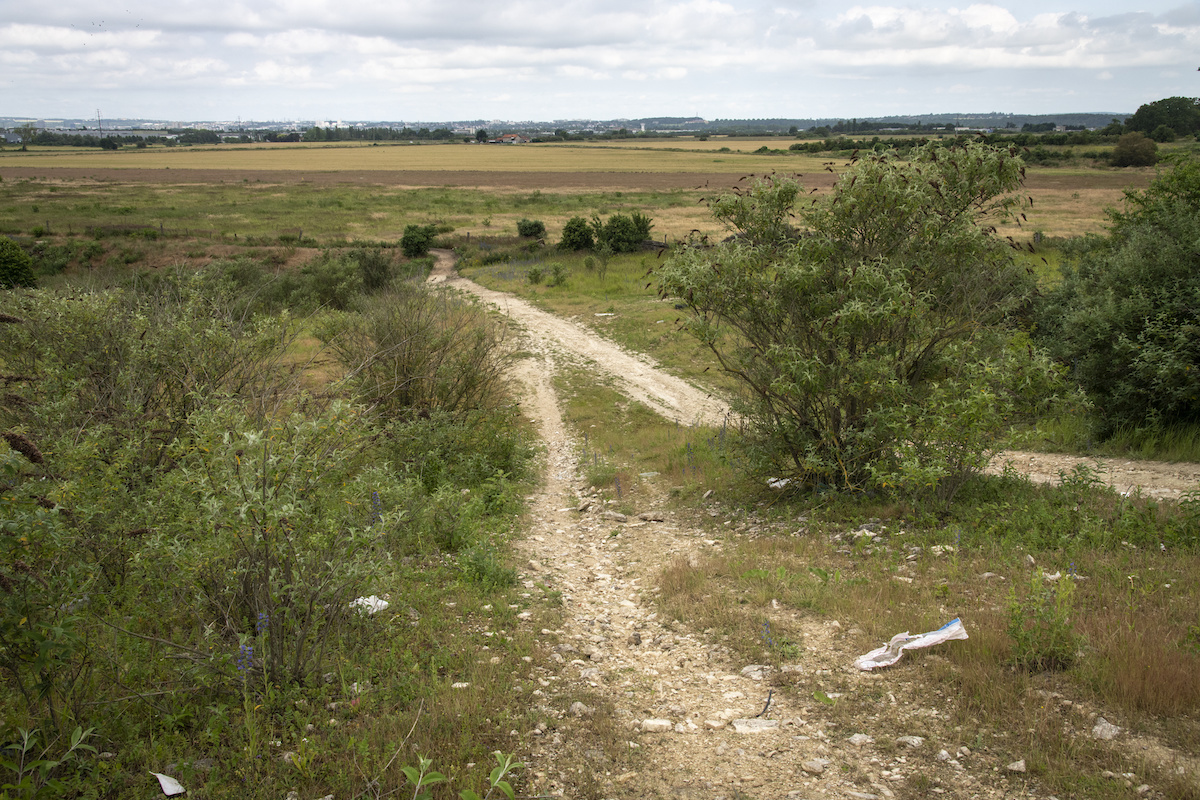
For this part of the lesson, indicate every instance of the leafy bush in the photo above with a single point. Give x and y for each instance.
(534, 275)
(43, 583)
(531, 228)
(417, 240)
(16, 266)
(1124, 317)
(623, 233)
(261, 532)
(1135, 150)
(558, 275)
(577, 235)
(374, 267)
(329, 281)
(873, 350)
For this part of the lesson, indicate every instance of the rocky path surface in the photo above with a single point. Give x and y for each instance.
(689, 719)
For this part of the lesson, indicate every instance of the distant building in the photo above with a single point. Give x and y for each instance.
(509, 138)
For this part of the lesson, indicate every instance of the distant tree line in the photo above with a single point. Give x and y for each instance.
(339, 134)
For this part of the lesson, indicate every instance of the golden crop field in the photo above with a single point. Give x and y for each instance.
(436, 157)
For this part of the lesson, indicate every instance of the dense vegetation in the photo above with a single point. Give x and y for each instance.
(1126, 317)
(186, 525)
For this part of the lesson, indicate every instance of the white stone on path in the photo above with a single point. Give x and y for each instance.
(1105, 730)
(657, 725)
(754, 725)
(1016, 766)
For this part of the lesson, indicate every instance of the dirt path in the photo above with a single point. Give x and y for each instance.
(684, 717)
(635, 375)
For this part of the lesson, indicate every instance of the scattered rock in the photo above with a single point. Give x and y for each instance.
(614, 516)
(715, 724)
(860, 739)
(635, 639)
(657, 725)
(1103, 729)
(578, 709)
(754, 725)
(651, 516)
(460, 685)
(755, 672)
(814, 766)
(1016, 766)
(584, 506)
(910, 741)
(943, 755)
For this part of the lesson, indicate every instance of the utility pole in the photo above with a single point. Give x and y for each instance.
(99, 124)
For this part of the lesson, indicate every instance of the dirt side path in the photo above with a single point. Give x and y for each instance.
(635, 375)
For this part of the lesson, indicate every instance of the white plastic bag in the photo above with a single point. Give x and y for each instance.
(891, 652)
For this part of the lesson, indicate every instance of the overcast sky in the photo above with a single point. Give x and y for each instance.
(433, 60)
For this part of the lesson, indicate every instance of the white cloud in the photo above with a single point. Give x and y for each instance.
(597, 57)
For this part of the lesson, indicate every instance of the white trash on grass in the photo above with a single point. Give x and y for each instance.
(891, 652)
(369, 605)
(170, 786)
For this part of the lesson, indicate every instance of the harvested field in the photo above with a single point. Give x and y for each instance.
(487, 180)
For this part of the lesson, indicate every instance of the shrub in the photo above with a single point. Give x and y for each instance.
(417, 240)
(414, 350)
(275, 547)
(531, 228)
(1163, 134)
(329, 281)
(374, 267)
(16, 266)
(623, 233)
(1124, 317)
(534, 275)
(558, 275)
(577, 235)
(1135, 150)
(873, 350)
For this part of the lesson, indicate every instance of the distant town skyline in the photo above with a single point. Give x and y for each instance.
(572, 59)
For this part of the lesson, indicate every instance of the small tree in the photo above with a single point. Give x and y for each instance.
(1163, 134)
(1135, 150)
(481, 135)
(872, 349)
(16, 266)
(531, 228)
(577, 235)
(417, 240)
